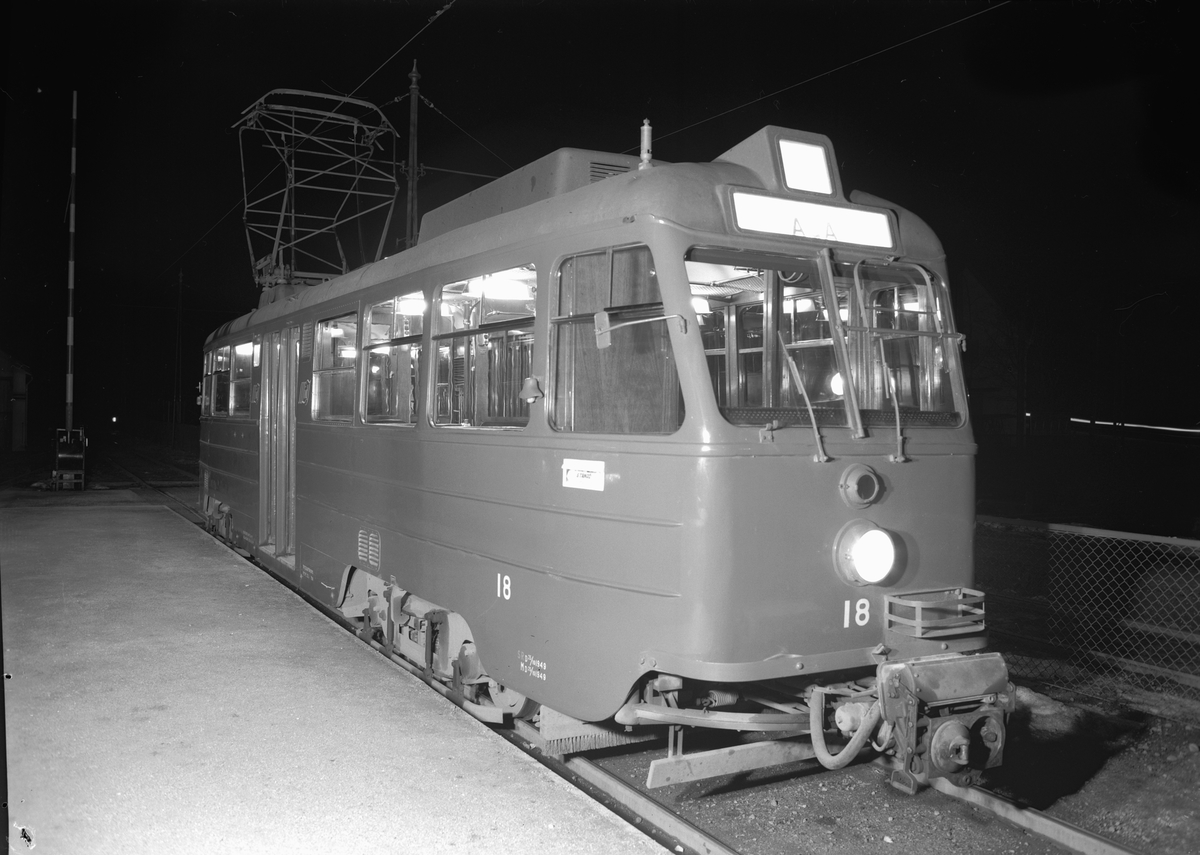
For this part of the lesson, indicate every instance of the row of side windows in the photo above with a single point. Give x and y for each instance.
(482, 344)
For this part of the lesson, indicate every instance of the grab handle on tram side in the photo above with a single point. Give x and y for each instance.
(605, 326)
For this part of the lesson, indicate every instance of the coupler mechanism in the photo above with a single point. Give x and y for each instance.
(943, 717)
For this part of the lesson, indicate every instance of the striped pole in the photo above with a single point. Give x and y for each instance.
(71, 277)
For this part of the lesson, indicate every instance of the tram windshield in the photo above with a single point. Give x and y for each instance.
(854, 344)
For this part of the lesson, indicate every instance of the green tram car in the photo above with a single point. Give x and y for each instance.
(623, 445)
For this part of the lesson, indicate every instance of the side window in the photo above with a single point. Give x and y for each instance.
(216, 382)
(334, 354)
(631, 386)
(242, 377)
(484, 347)
(205, 399)
(392, 342)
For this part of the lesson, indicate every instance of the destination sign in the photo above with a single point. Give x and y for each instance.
(811, 220)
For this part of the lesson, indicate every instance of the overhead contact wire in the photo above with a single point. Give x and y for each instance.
(827, 73)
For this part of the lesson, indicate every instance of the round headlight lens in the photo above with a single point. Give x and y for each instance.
(864, 553)
(873, 555)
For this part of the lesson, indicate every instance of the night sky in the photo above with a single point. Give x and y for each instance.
(1044, 142)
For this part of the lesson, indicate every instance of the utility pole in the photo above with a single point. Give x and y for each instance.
(71, 276)
(413, 96)
(177, 403)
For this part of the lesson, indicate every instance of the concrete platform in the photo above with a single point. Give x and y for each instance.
(164, 696)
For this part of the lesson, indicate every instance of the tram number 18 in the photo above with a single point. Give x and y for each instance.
(503, 586)
(862, 613)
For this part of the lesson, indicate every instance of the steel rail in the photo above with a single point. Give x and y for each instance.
(667, 821)
(188, 479)
(1056, 830)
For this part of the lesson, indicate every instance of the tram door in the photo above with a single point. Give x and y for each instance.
(277, 443)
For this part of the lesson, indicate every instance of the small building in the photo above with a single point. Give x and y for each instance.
(14, 404)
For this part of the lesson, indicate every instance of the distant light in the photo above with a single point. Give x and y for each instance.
(836, 386)
(1027, 415)
(114, 419)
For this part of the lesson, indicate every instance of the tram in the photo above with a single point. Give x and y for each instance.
(624, 445)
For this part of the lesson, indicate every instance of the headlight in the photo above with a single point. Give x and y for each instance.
(864, 553)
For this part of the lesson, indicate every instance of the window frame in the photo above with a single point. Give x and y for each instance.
(326, 376)
(583, 323)
(372, 345)
(441, 371)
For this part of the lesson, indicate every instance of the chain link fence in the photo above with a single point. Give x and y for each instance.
(1091, 609)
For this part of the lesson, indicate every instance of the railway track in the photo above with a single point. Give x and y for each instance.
(678, 833)
(126, 459)
(1059, 831)
(158, 486)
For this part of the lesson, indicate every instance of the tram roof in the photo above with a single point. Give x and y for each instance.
(575, 188)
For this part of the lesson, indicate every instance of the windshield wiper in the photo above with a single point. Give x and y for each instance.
(820, 456)
(899, 456)
(850, 398)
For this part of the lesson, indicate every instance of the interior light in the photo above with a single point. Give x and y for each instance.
(701, 306)
(499, 288)
(805, 305)
(836, 386)
(844, 314)
(336, 332)
(911, 307)
(411, 306)
(374, 369)
(244, 349)
(346, 352)
(864, 553)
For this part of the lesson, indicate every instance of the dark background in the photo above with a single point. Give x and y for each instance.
(1044, 142)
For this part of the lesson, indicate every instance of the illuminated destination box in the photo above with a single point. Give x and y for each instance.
(811, 220)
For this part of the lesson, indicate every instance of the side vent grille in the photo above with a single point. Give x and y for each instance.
(369, 548)
(599, 171)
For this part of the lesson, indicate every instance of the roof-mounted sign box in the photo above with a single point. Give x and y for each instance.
(801, 168)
